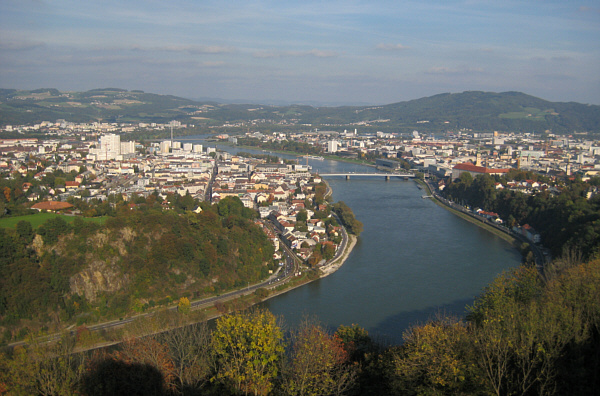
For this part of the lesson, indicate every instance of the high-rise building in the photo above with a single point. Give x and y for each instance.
(165, 146)
(332, 146)
(110, 143)
(127, 148)
(109, 147)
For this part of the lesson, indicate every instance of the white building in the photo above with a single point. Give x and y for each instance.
(108, 148)
(165, 146)
(332, 146)
(127, 148)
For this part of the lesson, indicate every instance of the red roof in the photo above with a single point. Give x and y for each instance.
(52, 205)
(466, 166)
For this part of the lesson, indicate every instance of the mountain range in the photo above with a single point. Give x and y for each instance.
(470, 110)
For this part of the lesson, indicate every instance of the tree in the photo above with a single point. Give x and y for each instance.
(149, 351)
(357, 341)
(25, 231)
(39, 369)
(184, 306)
(247, 347)
(189, 348)
(435, 358)
(318, 363)
(52, 229)
(519, 334)
(347, 217)
(59, 182)
(302, 216)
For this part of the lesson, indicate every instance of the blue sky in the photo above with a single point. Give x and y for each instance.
(298, 51)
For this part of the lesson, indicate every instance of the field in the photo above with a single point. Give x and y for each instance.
(530, 113)
(40, 218)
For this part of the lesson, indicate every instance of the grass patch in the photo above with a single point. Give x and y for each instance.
(530, 113)
(38, 219)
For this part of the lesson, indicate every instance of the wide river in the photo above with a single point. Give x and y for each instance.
(413, 260)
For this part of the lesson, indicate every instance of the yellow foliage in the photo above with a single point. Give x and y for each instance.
(184, 306)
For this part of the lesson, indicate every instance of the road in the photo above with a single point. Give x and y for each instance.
(541, 257)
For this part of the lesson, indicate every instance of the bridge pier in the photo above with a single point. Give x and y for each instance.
(387, 178)
(347, 177)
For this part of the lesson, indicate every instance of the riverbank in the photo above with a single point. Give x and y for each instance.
(478, 222)
(145, 325)
(335, 265)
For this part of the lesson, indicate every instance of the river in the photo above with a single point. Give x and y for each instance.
(413, 260)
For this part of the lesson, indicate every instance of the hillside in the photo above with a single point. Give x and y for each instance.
(102, 105)
(479, 111)
(144, 256)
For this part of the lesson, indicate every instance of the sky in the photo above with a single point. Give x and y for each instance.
(325, 52)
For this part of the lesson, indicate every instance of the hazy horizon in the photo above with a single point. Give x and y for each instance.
(337, 52)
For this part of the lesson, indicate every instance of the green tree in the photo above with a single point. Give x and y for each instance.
(25, 231)
(519, 334)
(52, 229)
(302, 216)
(247, 347)
(347, 217)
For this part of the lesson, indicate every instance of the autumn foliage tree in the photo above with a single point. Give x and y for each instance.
(247, 347)
(317, 364)
(436, 358)
(43, 369)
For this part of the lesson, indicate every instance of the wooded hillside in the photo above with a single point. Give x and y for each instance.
(140, 258)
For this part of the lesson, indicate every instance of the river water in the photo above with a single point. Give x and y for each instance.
(413, 260)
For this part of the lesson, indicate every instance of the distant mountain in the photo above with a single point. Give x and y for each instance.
(278, 102)
(479, 111)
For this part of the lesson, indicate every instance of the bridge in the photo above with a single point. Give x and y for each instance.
(387, 176)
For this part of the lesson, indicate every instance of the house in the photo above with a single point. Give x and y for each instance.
(52, 206)
(490, 216)
(475, 170)
(71, 185)
(528, 232)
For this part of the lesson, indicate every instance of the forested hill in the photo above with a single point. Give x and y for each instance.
(479, 111)
(488, 111)
(141, 257)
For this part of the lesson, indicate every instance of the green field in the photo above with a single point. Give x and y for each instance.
(530, 113)
(40, 218)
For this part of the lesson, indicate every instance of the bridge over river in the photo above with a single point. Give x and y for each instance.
(387, 176)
